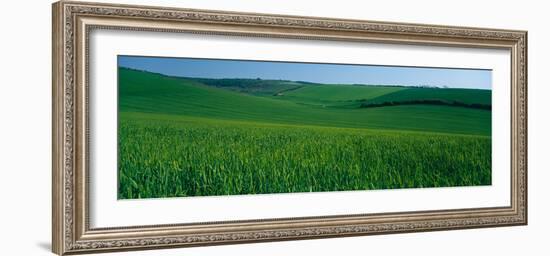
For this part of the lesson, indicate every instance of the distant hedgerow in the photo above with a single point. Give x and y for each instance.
(425, 102)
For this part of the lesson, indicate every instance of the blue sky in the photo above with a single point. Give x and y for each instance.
(311, 72)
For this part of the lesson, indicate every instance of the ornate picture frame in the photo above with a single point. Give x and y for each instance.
(72, 24)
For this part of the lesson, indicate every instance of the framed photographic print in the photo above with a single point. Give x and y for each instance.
(179, 127)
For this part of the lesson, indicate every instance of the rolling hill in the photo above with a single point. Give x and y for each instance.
(319, 105)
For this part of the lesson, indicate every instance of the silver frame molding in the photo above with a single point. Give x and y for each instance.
(72, 23)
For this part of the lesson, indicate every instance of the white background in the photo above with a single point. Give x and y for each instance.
(25, 140)
(106, 211)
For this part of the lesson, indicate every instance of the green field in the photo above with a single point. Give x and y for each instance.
(203, 137)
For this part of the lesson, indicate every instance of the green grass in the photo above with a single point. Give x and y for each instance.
(180, 156)
(180, 137)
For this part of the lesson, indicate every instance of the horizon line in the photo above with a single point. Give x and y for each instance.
(302, 81)
(315, 72)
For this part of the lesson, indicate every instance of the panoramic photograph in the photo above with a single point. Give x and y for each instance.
(214, 127)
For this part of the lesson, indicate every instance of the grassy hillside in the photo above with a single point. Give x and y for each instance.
(352, 96)
(251, 86)
(152, 93)
(341, 92)
(181, 137)
(468, 96)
